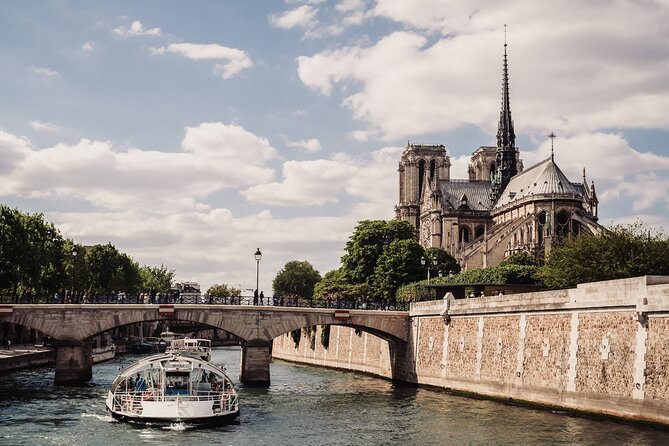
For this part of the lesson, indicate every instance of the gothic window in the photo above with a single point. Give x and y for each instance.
(433, 167)
(479, 231)
(492, 171)
(541, 224)
(421, 174)
(464, 234)
(562, 223)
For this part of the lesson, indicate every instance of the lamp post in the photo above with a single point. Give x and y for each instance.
(423, 262)
(74, 269)
(258, 256)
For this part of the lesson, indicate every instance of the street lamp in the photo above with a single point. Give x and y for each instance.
(258, 256)
(74, 269)
(424, 262)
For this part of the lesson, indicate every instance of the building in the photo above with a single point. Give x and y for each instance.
(501, 209)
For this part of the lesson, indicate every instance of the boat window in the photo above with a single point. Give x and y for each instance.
(176, 383)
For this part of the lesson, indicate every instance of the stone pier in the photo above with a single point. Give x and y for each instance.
(255, 363)
(74, 362)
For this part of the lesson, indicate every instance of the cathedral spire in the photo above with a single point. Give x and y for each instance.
(506, 166)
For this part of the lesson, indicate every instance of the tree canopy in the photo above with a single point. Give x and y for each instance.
(35, 258)
(296, 279)
(366, 245)
(223, 290)
(621, 252)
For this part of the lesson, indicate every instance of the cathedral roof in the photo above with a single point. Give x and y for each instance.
(543, 178)
(477, 194)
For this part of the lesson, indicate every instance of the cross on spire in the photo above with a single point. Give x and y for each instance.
(552, 137)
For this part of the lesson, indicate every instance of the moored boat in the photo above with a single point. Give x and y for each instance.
(198, 348)
(170, 388)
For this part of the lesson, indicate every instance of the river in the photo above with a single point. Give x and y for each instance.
(303, 406)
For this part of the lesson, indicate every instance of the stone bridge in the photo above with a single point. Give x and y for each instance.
(73, 325)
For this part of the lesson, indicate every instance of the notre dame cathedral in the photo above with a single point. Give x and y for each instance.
(501, 209)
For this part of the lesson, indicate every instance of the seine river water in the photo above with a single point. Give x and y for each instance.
(303, 406)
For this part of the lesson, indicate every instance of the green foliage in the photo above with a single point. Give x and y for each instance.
(32, 253)
(296, 335)
(110, 270)
(398, 264)
(158, 277)
(223, 290)
(325, 336)
(520, 258)
(621, 252)
(35, 258)
(366, 245)
(445, 263)
(296, 279)
(334, 287)
(494, 275)
(413, 292)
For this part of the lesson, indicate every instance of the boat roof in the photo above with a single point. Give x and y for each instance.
(171, 362)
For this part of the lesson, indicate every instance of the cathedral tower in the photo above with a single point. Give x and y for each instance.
(505, 159)
(419, 162)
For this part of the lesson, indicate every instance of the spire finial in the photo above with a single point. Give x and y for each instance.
(552, 137)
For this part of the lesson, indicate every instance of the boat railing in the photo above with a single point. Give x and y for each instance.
(131, 401)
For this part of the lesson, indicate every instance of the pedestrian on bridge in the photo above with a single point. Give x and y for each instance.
(255, 297)
(262, 296)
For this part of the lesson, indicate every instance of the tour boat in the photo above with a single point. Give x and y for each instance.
(171, 387)
(199, 348)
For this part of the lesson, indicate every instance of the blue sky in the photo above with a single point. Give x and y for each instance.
(191, 133)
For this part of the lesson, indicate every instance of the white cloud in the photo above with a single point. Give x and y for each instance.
(89, 46)
(44, 126)
(320, 182)
(406, 84)
(299, 17)
(306, 183)
(46, 72)
(13, 150)
(308, 145)
(136, 29)
(350, 5)
(215, 156)
(235, 59)
(618, 170)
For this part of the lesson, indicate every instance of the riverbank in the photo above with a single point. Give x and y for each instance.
(21, 357)
(598, 349)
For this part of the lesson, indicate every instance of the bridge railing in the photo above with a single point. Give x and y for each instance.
(206, 300)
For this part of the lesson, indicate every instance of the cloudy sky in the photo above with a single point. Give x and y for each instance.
(191, 133)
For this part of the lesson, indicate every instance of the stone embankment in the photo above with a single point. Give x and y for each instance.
(600, 348)
(19, 357)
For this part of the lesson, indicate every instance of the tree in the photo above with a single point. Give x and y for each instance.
(296, 279)
(618, 253)
(446, 263)
(223, 290)
(157, 277)
(32, 253)
(110, 270)
(399, 264)
(334, 287)
(366, 245)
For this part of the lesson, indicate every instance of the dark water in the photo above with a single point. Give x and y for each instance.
(303, 406)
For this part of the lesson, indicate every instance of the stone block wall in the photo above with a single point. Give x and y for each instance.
(599, 348)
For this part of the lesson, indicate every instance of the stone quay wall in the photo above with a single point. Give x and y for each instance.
(601, 348)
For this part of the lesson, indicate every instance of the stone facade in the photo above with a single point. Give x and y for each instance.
(500, 209)
(598, 348)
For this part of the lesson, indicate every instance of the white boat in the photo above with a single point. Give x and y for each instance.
(198, 348)
(169, 388)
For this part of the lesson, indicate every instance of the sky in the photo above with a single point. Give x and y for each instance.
(188, 134)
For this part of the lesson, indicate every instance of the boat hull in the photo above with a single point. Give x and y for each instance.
(211, 420)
